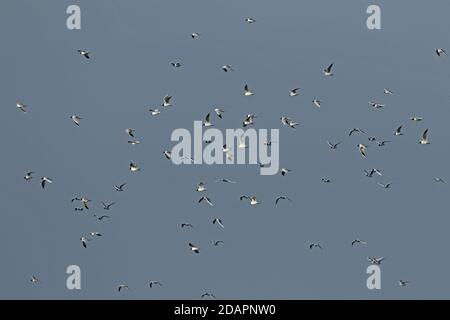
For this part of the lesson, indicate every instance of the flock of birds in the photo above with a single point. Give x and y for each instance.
(201, 188)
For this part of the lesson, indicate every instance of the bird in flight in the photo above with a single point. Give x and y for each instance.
(154, 112)
(28, 176)
(208, 201)
(194, 248)
(102, 217)
(358, 241)
(403, 283)
(387, 91)
(227, 68)
(122, 287)
(201, 187)
(186, 225)
(217, 242)
(107, 206)
(130, 132)
(250, 20)
(225, 180)
(357, 130)
(376, 261)
(155, 283)
(207, 122)
(439, 180)
(326, 180)
(315, 245)
(317, 103)
(44, 181)
(385, 186)
(282, 198)
(167, 154)
(34, 279)
(95, 233)
(370, 174)
(22, 107)
(76, 119)
(417, 119)
(398, 131)
(333, 145)
(362, 149)
(166, 101)
(440, 52)
(85, 53)
(294, 92)
(119, 187)
(134, 142)
(218, 222)
(219, 112)
(195, 35)
(376, 105)
(327, 71)
(84, 241)
(253, 200)
(176, 64)
(134, 167)
(424, 138)
(382, 143)
(247, 91)
(248, 120)
(288, 122)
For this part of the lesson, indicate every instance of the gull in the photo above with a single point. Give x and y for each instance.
(219, 112)
(207, 294)
(398, 131)
(167, 154)
(294, 92)
(44, 180)
(84, 241)
(154, 112)
(155, 283)
(440, 52)
(227, 151)
(372, 139)
(130, 132)
(225, 180)
(84, 53)
(227, 68)
(242, 144)
(416, 119)
(107, 206)
(120, 187)
(285, 171)
(186, 225)
(362, 149)
(76, 119)
(315, 245)
(201, 187)
(439, 180)
(385, 186)
(370, 174)
(98, 234)
(28, 176)
(166, 101)
(247, 91)
(207, 122)
(250, 20)
(85, 201)
(376, 105)
(382, 143)
(248, 120)
(326, 180)
(22, 107)
(358, 241)
(288, 122)
(327, 71)
(121, 287)
(134, 167)
(403, 283)
(387, 91)
(356, 130)
(195, 35)
(217, 242)
(424, 138)
(194, 248)
(376, 261)
(134, 142)
(282, 198)
(333, 145)
(176, 64)
(252, 199)
(208, 201)
(219, 222)
(34, 279)
(262, 165)
(316, 103)
(102, 217)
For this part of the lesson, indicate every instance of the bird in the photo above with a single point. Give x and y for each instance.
(176, 64)
(376, 261)
(208, 201)
(34, 279)
(326, 180)
(102, 217)
(85, 53)
(194, 248)
(201, 187)
(362, 149)
(398, 131)
(119, 187)
(317, 103)
(358, 241)
(372, 139)
(227, 68)
(218, 222)
(376, 105)
(253, 200)
(134, 167)
(76, 119)
(288, 122)
(327, 71)
(207, 122)
(250, 20)
(370, 174)
(155, 283)
(242, 144)
(357, 130)
(440, 52)
(167, 154)
(195, 35)
(247, 91)
(84, 241)
(217, 242)
(130, 132)
(95, 233)
(403, 283)
(424, 138)
(107, 206)
(387, 91)
(439, 180)
(225, 180)
(248, 120)
(186, 225)
(134, 142)
(385, 186)
(122, 287)
(44, 181)
(166, 101)
(28, 176)
(382, 143)
(22, 107)
(154, 112)
(294, 92)
(417, 119)
(285, 171)
(282, 198)
(333, 145)
(315, 245)
(219, 112)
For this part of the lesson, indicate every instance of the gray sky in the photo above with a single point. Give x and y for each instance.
(266, 253)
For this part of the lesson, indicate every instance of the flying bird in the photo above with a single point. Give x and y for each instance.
(166, 101)
(201, 187)
(376, 261)
(194, 248)
(253, 200)
(403, 283)
(130, 132)
(28, 176)
(247, 91)
(326, 180)
(282, 198)
(219, 112)
(315, 245)
(176, 64)
(85, 53)
(195, 35)
(154, 112)
(227, 68)
(358, 241)
(218, 222)
(186, 225)
(22, 107)
(439, 180)
(317, 103)
(217, 242)
(155, 283)
(225, 180)
(294, 92)
(376, 105)
(134, 167)
(333, 145)
(370, 174)
(44, 181)
(76, 119)
(382, 143)
(34, 279)
(102, 217)
(285, 171)
(288, 122)
(208, 201)
(250, 20)
(84, 241)
(107, 206)
(120, 187)
(398, 131)
(357, 130)
(327, 71)
(424, 138)
(167, 154)
(387, 91)
(362, 149)
(440, 52)
(207, 122)
(95, 233)
(385, 186)
(122, 287)
(134, 142)
(248, 120)
(417, 119)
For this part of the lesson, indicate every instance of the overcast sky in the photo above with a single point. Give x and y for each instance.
(266, 254)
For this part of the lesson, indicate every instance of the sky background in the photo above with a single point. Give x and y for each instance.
(266, 253)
